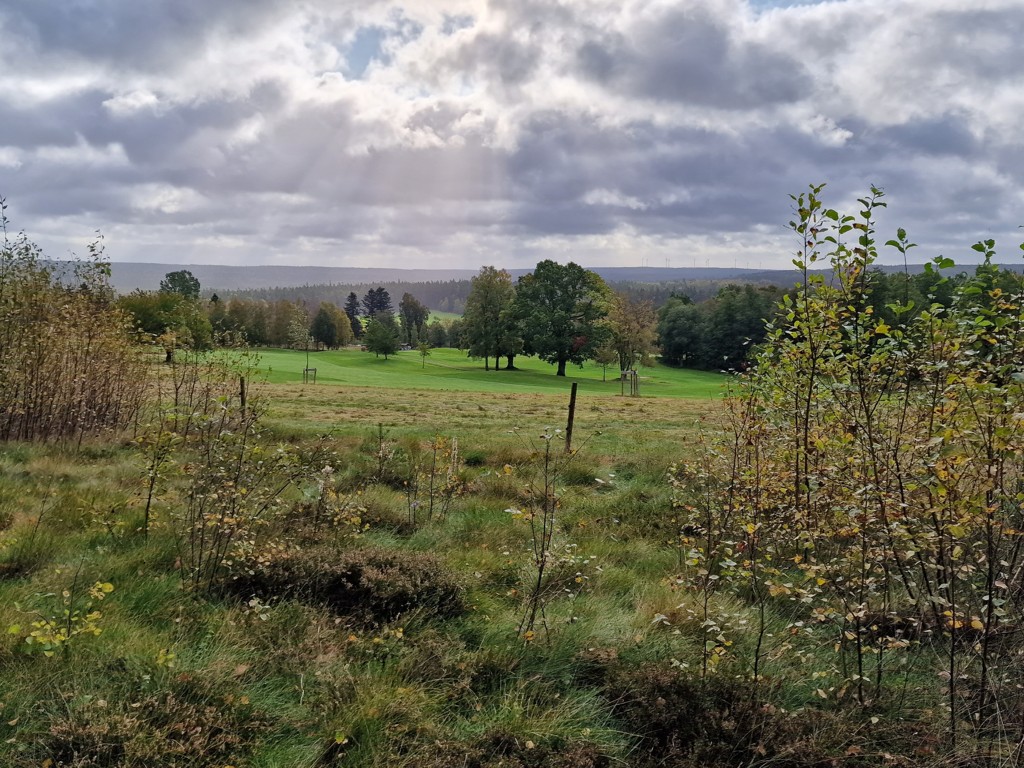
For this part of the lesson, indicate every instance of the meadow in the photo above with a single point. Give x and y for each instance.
(401, 565)
(450, 369)
(110, 659)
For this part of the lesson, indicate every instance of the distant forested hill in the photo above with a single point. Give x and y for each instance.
(129, 276)
(440, 289)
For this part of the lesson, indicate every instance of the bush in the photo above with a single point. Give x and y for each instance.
(374, 586)
(190, 726)
(69, 366)
(506, 750)
(683, 721)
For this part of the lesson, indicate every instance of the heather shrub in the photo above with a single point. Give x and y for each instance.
(371, 585)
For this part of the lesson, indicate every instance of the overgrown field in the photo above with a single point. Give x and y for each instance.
(384, 616)
(428, 667)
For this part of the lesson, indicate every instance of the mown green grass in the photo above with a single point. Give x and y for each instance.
(450, 369)
(445, 317)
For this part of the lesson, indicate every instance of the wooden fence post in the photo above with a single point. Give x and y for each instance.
(572, 415)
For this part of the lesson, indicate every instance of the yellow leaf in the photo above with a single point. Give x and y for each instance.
(977, 624)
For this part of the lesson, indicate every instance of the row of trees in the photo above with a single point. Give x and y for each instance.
(720, 333)
(177, 317)
(450, 296)
(561, 313)
(443, 296)
(716, 334)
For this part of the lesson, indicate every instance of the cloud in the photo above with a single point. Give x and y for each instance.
(461, 132)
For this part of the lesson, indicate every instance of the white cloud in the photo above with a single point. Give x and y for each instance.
(10, 157)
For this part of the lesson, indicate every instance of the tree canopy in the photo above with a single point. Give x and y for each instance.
(352, 310)
(377, 300)
(382, 335)
(490, 328)
(414, 314)
(561, 311)
(716, 334)
(634, 334)
(181, 282)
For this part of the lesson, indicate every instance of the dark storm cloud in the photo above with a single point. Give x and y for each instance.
(57, 122)
(689, 55)
(675, 181)
(141, 34)
(948, 135)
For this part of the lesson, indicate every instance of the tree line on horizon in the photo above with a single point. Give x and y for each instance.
(450, 296)
(561, 313)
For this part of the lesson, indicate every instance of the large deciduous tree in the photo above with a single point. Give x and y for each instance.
(561, 311)
(489, 326)
(182, 282)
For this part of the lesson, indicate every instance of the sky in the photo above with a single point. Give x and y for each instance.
(459, 133)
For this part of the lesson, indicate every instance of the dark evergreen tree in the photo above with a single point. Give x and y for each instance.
(352, 310)
(376, 301)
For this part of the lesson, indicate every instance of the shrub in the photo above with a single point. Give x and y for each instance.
(69, 366)
(500, 749)
(475, 458)
(186, 727)
(683, 721)
(372, 585)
